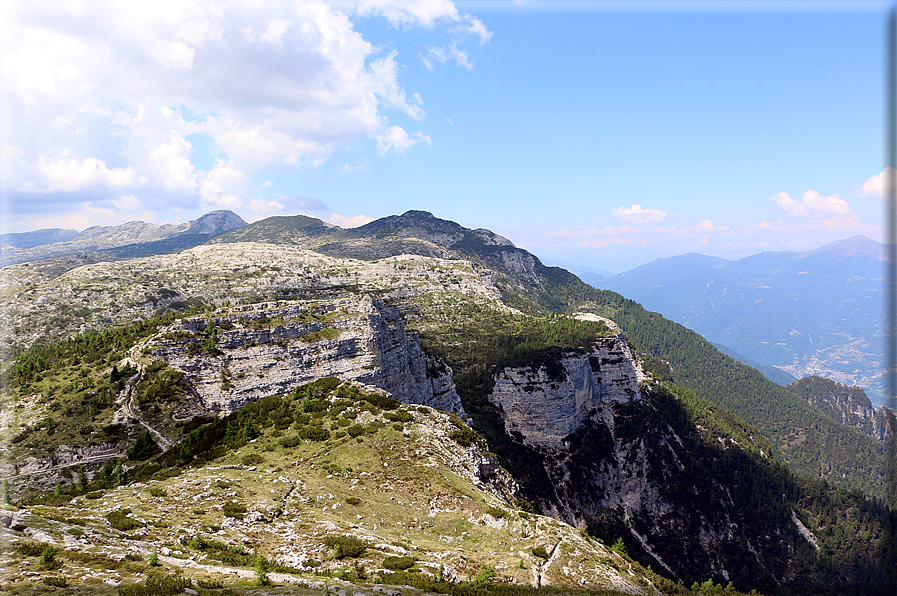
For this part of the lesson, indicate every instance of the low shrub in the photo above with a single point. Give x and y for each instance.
(121, 522)
(290, 442)
(56, 582)
(29, 548)
(496, 512)
(398, 563)
(253, 459)
(232, 509)
(157, 584)
(400, 416)
(345, 546)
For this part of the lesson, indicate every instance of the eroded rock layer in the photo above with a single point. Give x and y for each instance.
(234, 358)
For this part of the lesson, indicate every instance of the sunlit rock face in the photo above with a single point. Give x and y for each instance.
(547, 405)
(270, 348)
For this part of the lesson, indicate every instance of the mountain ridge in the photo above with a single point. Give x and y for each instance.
(500, 314)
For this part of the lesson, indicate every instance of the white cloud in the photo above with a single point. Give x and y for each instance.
(444, 54)
(261, 209)
(396, 138)
(171, 162)
(222, 187)
(812, 205)
(385, 75)
(638, 214)
(62, 174)
(349, 222)
(273, 35)
(405, 12)
(474, 26)
(273, 85)
(874, 186)
(128, 203)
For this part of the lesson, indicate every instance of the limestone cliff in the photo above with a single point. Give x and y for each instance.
(601, 434)
(545, 410)
(236, 356)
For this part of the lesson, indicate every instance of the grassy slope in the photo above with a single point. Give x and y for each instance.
(403, 489)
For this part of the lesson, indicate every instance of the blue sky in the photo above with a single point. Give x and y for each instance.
(600, 134)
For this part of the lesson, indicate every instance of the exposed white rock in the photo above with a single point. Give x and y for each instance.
(545, 409)
(264, 350)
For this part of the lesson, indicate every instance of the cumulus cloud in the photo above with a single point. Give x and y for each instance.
(63, 173)
(638, 214)
(349, 222)
(108, 93)
(261, 209)
(875, 186)
(812, 204)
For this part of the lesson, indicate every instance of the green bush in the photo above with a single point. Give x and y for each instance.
(620, 547)
(121, 522)
(56, 582)
(144, 447)
(290, 442)
(356, 430)
(48, 558)
(345, 546)
(232, 509)
(496, 512)
(400, 416)
(157, 584)
(539, 551)
(380, 401)
(484, 576)
(398, 563)
(466, 437)
(313, 432)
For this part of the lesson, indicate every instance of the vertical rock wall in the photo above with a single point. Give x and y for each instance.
(545, 410)
(270, 348)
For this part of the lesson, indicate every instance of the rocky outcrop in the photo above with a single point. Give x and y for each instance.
(600, 451)
(846, 405)
(545, 409)
(243, 354)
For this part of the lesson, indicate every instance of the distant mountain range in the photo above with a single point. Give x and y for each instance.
(817, 312)
(132, 239)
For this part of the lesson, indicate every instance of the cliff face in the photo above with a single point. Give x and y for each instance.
(270, 348)
(545, 409)
(613, 463)
(847, 405)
